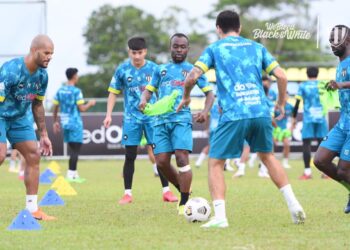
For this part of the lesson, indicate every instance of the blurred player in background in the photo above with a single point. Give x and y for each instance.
(173, 131)
(337, 142)
(314, 120)
(282, 133)
(69, 102)
(23, 83)
(239, 63)
(131, 77)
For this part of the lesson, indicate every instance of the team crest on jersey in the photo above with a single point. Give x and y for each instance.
(184, 73)
(129, 79)
(343, 73)
(148, 78)
(163, 72)
(21, 86)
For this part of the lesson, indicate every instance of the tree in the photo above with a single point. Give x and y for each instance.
(109, 28)
(259, 16)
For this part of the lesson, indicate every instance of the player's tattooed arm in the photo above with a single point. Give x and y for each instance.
(190, 81)
(39, 116)
(146, 96)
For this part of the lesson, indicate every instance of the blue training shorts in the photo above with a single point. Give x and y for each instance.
(133, 131)
(229, 137)
(338, 141)
(312, 130)
(18, 130)
(172, 136)
(75, 135)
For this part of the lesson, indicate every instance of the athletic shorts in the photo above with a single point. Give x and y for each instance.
(133, 131)
(18, 130)
(338, 141)
(281, 134)
(312, 130)
(228, 139)
(172, 136)
(75, 135)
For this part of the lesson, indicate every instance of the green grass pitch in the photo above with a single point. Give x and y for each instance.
(257, 213)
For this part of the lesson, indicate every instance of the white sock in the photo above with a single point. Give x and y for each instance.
(201, 158)
(32, 203)
(228, 162)
(307, 171)
(155, 170)
(219, 209)
(289, 196)
(285, 160)
(166, 189)
(128, 192)
(12, 164)
(241, 166)
(21, 173)
(71, 173)
(263, 168)
(253, 156)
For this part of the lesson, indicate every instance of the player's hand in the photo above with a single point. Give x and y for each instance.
(279, 108)
(45, 146)
(92, 102)
(333, 85)
(201, 117)
(184, 103)
(142, 105)
(107, 121)
(56, 127)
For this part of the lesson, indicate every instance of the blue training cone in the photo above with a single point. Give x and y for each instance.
(45, 177)
(48, 172)
(51, 198)
(24, 221)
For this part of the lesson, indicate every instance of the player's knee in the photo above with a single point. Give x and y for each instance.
(161, 162)
(33, 158)
(318, 161)
(343, 173)
(182, 158)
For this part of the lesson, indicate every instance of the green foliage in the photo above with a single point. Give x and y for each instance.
(291, 52)
(109, 29)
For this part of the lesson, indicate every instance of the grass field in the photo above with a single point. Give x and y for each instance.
(257, 214)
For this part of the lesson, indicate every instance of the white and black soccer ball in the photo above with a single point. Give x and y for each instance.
(197, 210)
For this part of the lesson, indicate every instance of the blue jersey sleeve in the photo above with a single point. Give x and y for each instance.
(44, 81)
(154, 85)
(203, 84)
(116, 83)
(206, 60)
(269, 63)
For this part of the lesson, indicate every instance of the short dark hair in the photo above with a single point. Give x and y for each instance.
(137, 43)
(179, 35)
(71, 72)
(312, 72)
(228, 20)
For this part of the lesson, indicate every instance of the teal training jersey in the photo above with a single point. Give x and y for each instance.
(313, 109)
(169, 77)
(288, 109)
(239, 64)
(132, 81)
(343, 75)
(69, 98)
(18, 88)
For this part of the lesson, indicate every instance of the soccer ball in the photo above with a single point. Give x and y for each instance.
(197, 209)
